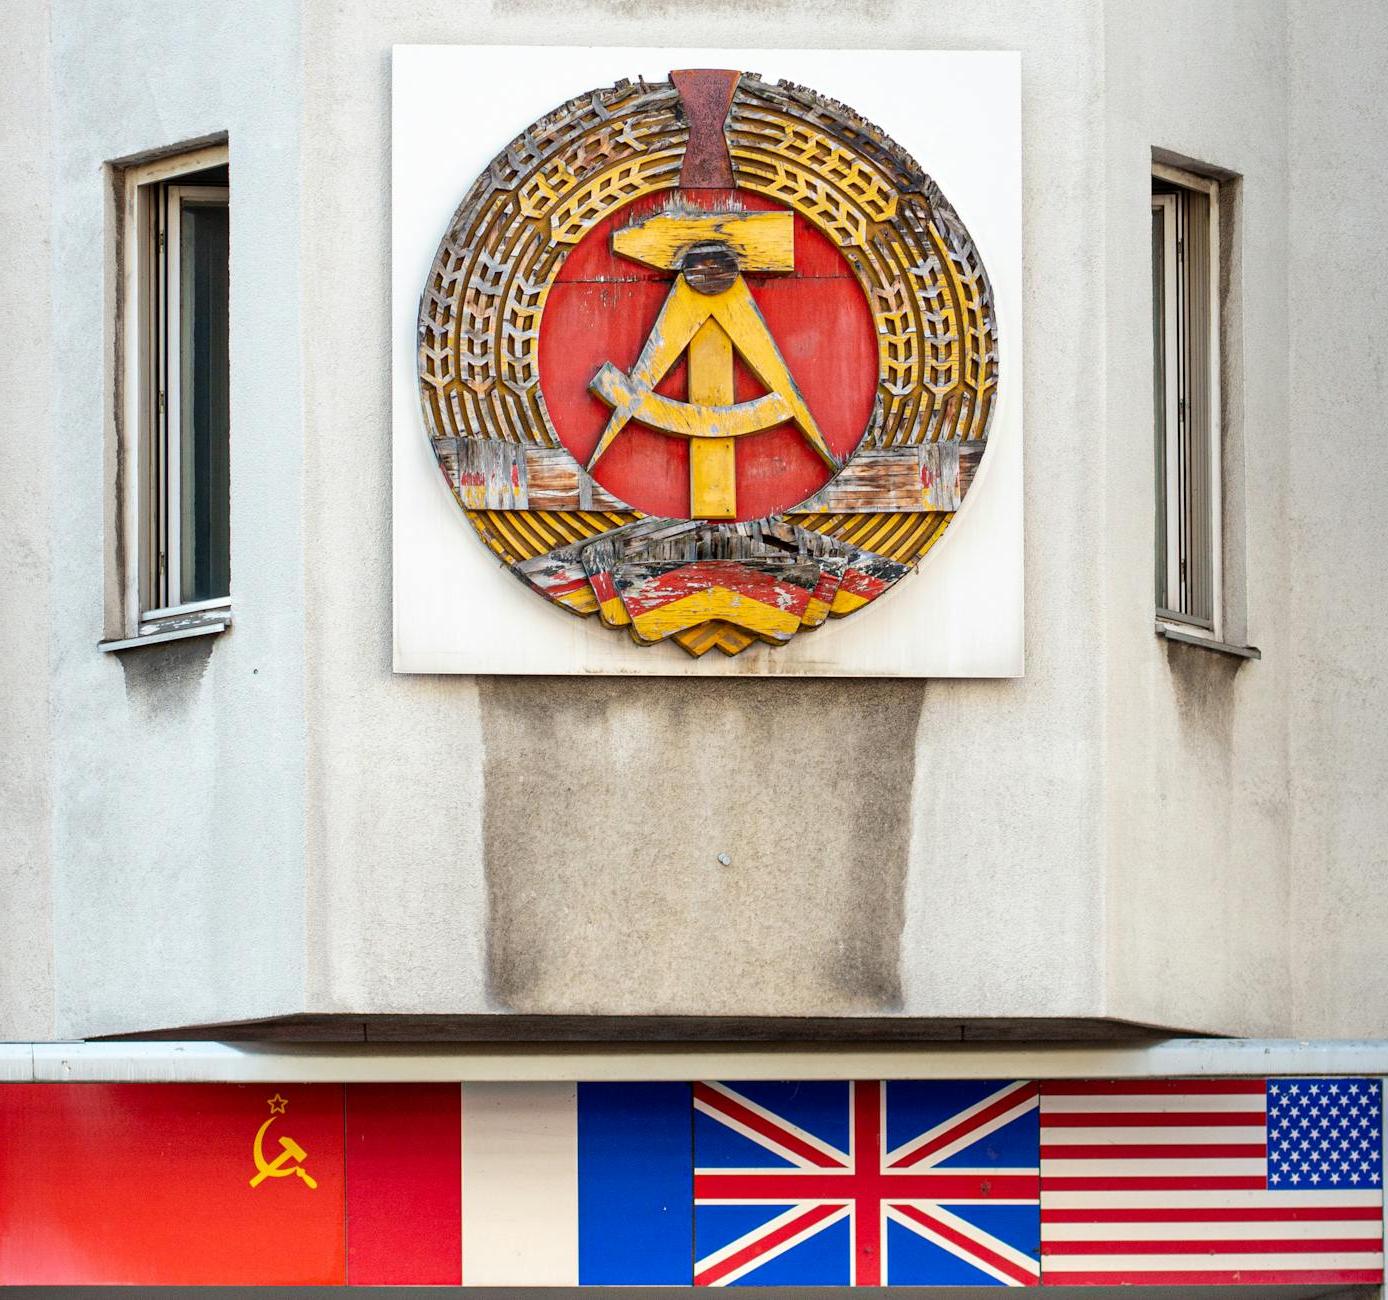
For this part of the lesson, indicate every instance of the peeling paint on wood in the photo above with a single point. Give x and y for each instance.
(505, 476)
(929, 476)
(706, 95)
(761, 241)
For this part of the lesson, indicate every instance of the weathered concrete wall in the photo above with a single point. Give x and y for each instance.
(806, 916)
(273, 822)
(1338, 145)
(178, 769)
(1195, 745)
(26, 946)
(521, 845)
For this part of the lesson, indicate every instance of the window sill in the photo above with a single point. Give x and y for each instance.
(174, 629)
(1208, 643)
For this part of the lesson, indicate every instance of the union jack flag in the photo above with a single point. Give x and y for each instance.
(866, 1184)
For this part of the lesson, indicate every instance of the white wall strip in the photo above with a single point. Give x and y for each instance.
(571, 1062)
(16, 1063)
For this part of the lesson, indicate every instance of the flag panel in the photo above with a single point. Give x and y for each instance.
(1260, 1182)
(520, 1184)
(171, 1184)
(920, 1184)
(1250, 1182)
(635, 1195)
(404, 1184)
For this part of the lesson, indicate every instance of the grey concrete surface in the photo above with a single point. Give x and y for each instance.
(177, 771)
(1199, 864)
(1338, 151)
(26, 949)
(997, 835)
(271, 824)
(640, 913)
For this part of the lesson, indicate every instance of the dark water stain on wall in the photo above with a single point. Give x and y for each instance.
(1203, 681)
(608, 805)
(165, 678)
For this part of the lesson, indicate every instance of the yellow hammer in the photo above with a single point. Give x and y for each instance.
(708, 313)
(276, 1168)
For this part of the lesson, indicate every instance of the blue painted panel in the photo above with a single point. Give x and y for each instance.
(916, 1107)
(635, 1184)
(820, 1260)
(819, 1108)
(913, 1261)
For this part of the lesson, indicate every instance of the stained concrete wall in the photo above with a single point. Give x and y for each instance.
(273, 822)
(26, 950)
(177, 771)
(896, 847)
(1338, 150)
(1199, 864)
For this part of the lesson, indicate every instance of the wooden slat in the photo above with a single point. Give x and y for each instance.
(931, 476)
(490, 475)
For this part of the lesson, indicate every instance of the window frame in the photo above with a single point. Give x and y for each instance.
(149, 483)
(1168, 611)
(166, 455)
(1167, 555)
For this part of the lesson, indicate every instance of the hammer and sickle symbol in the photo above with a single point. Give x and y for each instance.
(709, 312)
(290, 1150)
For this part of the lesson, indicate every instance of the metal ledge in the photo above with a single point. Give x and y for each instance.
(384, 1028)
(572, 1062)
(176, 632)
(1208, 643)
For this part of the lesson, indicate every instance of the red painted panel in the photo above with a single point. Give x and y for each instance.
(149, 1184)
(602, 307)
(404, 1184)
(690, 579)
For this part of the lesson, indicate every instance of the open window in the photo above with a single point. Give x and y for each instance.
(1185, 353)
(175, 443)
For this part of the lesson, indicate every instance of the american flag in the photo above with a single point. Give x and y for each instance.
(1212, 1181)
(866, 1184)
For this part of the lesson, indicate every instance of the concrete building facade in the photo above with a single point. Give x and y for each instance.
(267, 833)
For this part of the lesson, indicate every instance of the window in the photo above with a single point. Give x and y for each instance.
(175, 435)
(1185, 353)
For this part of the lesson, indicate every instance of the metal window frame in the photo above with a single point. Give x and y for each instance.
(1168, 485)
(1172, 612)
(170, 434)
(148, 456)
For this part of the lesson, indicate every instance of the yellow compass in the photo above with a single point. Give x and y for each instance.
(709, 313)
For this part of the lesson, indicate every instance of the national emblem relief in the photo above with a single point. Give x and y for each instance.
(710, 359)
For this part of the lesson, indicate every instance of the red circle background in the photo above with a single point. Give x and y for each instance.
(601, 307)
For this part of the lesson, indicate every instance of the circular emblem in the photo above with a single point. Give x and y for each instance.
(709, 359)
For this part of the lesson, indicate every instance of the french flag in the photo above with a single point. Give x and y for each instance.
(577, 1184)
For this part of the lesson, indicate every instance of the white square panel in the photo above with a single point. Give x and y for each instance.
(458, 610)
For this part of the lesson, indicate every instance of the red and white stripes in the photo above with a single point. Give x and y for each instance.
(1165, 1182)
